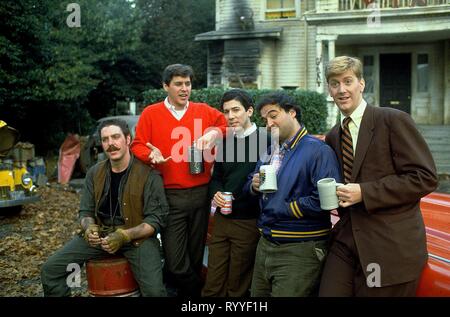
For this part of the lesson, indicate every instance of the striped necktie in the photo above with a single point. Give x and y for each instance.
(347, 150)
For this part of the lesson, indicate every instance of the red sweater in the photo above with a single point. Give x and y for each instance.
(172, 137)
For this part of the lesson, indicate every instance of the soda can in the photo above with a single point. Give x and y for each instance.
(228, 196)
(195, 160)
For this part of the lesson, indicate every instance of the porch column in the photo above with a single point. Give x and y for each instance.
(331, 49)
(319, 66)
(447, 82)
(330, 54)
(330, 39)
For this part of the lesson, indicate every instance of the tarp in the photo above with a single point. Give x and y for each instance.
(69, 153)
(8, 138)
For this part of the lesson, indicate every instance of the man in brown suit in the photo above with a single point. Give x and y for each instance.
(378, 247)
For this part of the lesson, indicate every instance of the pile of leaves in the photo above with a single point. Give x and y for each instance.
(27, 239)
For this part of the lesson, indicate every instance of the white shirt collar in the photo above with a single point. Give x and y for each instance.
(176, 113)
(243, 134)
(357, 114)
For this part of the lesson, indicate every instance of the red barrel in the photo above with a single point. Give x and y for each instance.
(111, 277)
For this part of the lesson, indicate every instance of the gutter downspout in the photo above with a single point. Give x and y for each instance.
(305, 22)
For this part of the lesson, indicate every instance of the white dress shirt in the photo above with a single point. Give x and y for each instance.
(355, 123)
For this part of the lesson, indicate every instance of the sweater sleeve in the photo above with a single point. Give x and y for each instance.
(218, 120)
(216, 184)
(143, 135)
(217, 179)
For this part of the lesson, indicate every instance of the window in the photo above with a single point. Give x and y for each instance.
(369, 78)
(422, 72)
(368, 73)
(281, 9)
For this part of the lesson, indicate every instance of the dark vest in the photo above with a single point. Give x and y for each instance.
(133, 190)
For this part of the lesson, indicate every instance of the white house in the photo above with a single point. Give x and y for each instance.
(404, 45)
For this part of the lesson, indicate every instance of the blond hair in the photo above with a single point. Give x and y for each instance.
(341, 64)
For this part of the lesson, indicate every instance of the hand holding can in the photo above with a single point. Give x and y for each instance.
(195, 160)
(227, 207)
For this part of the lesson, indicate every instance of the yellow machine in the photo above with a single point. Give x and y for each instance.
(16, 185)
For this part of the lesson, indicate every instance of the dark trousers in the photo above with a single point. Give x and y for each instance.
(231, 257)
(184, 239)
(343, 275)
(145, 262)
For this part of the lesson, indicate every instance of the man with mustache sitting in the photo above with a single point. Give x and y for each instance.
(123, 207)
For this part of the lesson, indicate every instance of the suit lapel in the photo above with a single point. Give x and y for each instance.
(364, 138)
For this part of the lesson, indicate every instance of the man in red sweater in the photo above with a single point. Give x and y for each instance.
(164, 132)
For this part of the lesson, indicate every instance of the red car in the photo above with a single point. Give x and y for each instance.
(435, 280)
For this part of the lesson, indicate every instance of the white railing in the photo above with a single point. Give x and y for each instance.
(345, 5)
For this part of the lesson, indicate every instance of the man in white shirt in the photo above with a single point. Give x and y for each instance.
(235, 236)
(378, 247)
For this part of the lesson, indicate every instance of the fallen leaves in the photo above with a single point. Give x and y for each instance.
(29, 238)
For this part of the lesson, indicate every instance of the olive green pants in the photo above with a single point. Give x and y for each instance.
(145, 262)
(288, 269)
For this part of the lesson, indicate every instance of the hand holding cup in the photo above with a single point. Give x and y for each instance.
(329, 199)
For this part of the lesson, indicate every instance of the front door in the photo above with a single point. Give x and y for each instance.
(395, 81)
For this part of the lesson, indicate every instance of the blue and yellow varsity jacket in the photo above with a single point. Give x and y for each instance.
(293, 214)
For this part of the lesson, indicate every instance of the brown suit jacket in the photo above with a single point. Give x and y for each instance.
(394, 168)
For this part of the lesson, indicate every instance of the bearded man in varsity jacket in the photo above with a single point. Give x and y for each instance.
(163, 133)
(294, 230)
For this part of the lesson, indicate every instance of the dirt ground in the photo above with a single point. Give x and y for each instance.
(28, 238)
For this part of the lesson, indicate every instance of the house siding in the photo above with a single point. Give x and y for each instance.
(294, 59)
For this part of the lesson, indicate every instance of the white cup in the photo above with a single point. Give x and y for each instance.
(327, 193)
(268, 179)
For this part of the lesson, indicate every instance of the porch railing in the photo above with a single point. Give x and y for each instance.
(345, 5)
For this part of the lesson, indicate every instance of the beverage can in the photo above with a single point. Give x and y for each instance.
(195, 160)
(228, 196)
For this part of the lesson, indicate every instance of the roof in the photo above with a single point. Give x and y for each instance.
(228, 34)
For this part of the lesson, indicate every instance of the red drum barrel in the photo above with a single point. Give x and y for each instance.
(111, 277)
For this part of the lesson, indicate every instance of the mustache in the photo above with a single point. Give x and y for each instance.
(112, 148)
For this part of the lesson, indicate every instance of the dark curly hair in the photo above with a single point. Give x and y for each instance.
(281, 99)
